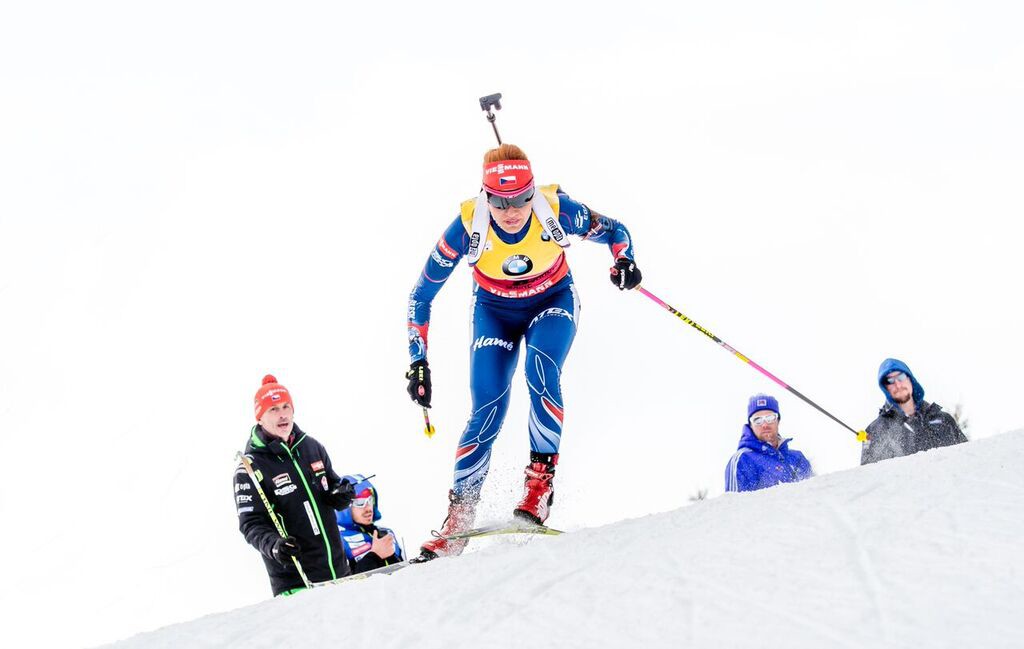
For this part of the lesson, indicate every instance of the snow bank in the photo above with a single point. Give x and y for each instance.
(919, 551)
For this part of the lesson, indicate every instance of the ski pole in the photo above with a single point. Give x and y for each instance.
(428, 429)
(485, 104)
(862, 436)
(266, 503)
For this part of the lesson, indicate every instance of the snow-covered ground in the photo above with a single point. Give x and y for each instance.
(921, 551)
(194, 194)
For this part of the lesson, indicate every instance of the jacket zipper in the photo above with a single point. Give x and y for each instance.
(782, 458)
(316, 510)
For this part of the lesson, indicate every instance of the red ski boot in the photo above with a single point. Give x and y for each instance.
(539, 488)
(461, 512)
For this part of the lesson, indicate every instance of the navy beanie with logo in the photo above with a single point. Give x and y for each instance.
(763, 402)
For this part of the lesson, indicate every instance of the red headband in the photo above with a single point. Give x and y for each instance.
(507, 177)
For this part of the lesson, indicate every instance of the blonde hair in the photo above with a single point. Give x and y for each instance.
(504, 152)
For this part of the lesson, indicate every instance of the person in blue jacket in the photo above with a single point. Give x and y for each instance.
(763, 458)
(367, 545)
(513, 235)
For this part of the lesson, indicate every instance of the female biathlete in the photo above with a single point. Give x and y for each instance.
(513, 235)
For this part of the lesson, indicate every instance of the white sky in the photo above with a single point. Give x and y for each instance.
(195, 194)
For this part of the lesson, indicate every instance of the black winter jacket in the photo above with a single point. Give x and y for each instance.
(893, 434)
(296, 480)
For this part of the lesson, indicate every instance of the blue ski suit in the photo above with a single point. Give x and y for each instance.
(757, 465)
(523, 299)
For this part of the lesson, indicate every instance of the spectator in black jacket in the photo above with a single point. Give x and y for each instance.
(294, 473)
(906, 423)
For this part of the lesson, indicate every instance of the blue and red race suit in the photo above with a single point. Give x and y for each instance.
(523, 296)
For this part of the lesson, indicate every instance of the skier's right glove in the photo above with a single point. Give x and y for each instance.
(285, 548)
(419, 382)
(625, 274)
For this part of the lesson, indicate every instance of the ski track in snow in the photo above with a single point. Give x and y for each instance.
(865, 567)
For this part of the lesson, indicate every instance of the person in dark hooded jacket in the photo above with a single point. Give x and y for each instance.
(367, 545)
(763, 458)
(906, 424)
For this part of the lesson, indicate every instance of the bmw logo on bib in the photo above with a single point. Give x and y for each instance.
(517, 265)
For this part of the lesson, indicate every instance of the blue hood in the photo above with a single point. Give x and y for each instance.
(344, 517)
(896, 365)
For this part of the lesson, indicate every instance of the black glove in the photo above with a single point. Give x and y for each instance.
(284, 549)
(625, 274)
(419, 382)
(341, 496)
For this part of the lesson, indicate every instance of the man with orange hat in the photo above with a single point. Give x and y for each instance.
(295, 474)
(513, 235)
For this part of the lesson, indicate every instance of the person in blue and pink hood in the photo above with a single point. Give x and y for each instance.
(367, 545)
(763, 458)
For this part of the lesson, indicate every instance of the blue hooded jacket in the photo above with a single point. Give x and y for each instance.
(357, 539)
(757, 465)
(893, 434)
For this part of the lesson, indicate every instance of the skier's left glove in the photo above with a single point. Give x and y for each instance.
(341, 496)
(625, 274)
(419, 382)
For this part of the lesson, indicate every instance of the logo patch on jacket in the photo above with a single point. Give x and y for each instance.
(317, 466)
(517, 265)
(323, 481)
(357, 544)
(281, 480)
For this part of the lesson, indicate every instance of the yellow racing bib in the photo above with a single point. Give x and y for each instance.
(532, 256)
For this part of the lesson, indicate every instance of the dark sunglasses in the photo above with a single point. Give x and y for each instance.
(503, 203)
(901, 376)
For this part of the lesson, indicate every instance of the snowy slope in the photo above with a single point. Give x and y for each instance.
(915, 552)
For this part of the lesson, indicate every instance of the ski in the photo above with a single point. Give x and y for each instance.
(383, 570)
(511, 527)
